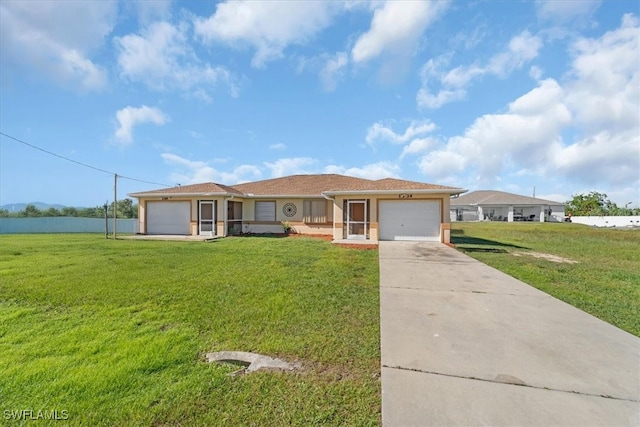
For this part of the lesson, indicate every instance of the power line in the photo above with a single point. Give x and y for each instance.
(80, 163)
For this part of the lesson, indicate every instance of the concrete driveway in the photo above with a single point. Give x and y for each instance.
(464, 344)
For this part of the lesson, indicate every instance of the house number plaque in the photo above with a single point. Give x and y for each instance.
(405, 196)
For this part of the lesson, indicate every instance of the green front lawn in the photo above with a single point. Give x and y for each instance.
(115, 332)
(604, 280)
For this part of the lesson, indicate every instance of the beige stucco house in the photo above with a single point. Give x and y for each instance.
(344, 207)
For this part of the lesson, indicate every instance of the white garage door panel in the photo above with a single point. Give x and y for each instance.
(168, 217)
(409, 220)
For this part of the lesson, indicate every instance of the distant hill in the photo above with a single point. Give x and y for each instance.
(17, 207)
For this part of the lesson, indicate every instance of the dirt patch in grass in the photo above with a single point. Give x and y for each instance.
(548, 257)
(327, 237)
(357, 246)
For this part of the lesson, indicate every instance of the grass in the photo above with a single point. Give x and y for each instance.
(604, 282)
(115, 332)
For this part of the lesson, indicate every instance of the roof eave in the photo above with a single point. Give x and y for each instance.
(143, 195)
(280, 196)
(384, 192)
(506, 204)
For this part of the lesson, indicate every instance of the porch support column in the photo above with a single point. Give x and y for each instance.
(337, 220)
(480, 214)
(510, 215)
(543, 213)
(225, 217)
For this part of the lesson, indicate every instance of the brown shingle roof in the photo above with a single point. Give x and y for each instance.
(491, 197)
(204, 188)
(302, 185)
(400, 184)
(315, 185)
(308, 185)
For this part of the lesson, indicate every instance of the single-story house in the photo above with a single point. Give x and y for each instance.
(489, 205)
(327, 204)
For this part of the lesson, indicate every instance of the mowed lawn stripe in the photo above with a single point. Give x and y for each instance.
(115, 332)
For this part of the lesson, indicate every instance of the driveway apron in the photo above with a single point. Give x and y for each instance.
(464, 344)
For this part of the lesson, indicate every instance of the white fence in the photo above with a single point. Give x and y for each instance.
(65, 225)
(607, 221)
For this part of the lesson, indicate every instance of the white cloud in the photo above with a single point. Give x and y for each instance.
(161, 58)
(396, 28)
(417, 146)
(278, 146)
(330, 68)
(269, 27)
(194, 172)
(597, 107)
(378, 170)
(606, 90)
(536, 72)
(379, 132)
(524, 135)
(440, 87)
(605, 97)
(129, 117)
(522, 48)
(291, 166)
(56, 39)
(443, 164)
(563, 11)
(333, 70)
(425, 99)
(149, 11)
(609, 157)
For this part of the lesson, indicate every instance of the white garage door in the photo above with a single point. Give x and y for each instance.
(409, 220)
(168, 217)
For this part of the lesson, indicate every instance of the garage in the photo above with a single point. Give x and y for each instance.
(409, 220)
(168, 217)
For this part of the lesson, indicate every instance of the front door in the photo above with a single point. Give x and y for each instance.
(357, 219)
(206, 223)
(234, 218)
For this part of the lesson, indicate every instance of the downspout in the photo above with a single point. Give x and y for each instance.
(333, 199)
(333, 211)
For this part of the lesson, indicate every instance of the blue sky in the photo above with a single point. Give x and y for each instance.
(499, 95)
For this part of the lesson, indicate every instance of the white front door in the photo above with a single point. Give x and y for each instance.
(357, 219)
(206, 222)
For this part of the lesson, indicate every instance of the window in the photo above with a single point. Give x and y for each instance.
(315, 211)
(265, 211)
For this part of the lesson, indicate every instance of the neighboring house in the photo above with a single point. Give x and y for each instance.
(342, 206)
(488, 205)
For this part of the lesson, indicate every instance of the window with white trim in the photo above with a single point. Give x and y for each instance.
(266, 211)
(315, 211)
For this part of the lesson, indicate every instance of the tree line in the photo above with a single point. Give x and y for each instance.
(597, 204)
(125, 208)
(591, 204)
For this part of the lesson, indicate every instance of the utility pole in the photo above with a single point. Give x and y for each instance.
(115, 204)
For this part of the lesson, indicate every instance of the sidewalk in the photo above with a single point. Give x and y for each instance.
(464, 344)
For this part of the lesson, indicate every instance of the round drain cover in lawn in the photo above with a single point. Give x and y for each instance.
(252, 361)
